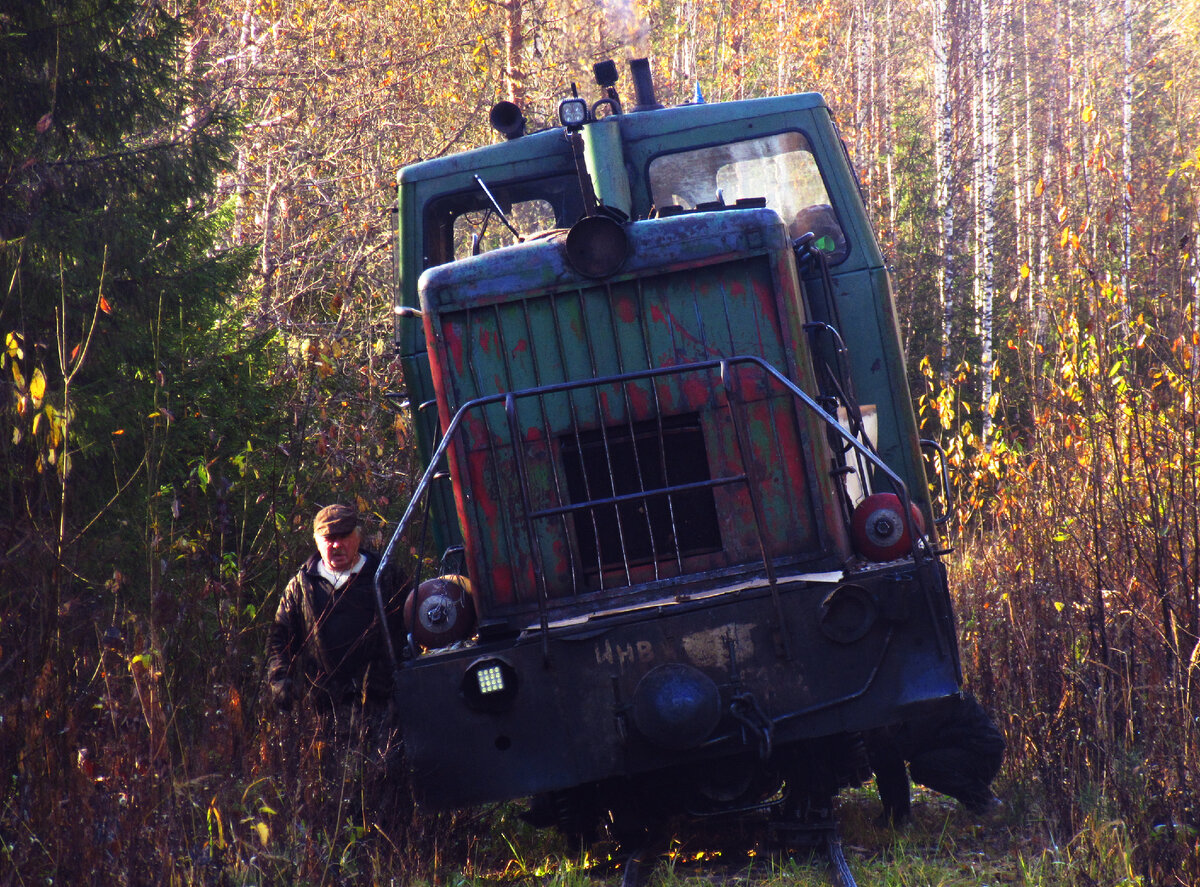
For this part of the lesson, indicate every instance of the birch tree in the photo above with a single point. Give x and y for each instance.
(989, 115)
(944, 142)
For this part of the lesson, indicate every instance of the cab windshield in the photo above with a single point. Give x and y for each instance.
(780, 168)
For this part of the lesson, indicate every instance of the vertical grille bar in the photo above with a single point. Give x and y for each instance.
(575, 434)
(591, 350)
(639, 293)
(471, 331)
(548, 432)
(629, 421)
(535, 551)
(749, 465)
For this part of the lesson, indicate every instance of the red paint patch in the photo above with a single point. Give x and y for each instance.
(640, 402)
(667, 397)
(502, 589)
(487, 506)
(454, 346)
(695, 392)
(557, 584)
(766, 300)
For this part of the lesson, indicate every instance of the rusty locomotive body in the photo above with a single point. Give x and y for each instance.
(672, 462)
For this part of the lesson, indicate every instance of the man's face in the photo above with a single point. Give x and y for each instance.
(338, 552)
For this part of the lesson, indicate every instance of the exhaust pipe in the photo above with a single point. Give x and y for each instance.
(506, 118)
(643, 85)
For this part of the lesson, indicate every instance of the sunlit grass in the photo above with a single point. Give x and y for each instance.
(943, 846)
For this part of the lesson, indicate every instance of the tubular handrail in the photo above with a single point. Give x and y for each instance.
(944, 474)
(920, 549)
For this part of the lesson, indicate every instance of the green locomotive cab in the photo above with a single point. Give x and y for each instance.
(658, 384)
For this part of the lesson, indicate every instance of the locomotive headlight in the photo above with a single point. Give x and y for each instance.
(490, 685)
(572, 113)
(597, 246)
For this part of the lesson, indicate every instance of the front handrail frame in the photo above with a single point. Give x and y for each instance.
(920, 550)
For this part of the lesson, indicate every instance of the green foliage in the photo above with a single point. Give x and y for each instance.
(135, 401)
(107, 249)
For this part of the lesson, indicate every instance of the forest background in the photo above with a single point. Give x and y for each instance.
(194, 238)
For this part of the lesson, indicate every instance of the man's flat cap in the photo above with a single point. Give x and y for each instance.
(335, 520)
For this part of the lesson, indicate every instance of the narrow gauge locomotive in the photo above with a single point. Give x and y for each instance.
(657, 382)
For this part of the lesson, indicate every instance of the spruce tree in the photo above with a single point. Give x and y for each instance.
(112, 286)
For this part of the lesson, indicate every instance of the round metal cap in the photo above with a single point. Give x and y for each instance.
(847, 614)
(878, 530)
(440, 612)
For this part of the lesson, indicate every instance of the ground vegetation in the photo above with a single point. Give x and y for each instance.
(194, 227)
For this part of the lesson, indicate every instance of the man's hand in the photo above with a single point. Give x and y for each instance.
(281, 694)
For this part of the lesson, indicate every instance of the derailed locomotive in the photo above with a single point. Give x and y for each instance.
(657, 381)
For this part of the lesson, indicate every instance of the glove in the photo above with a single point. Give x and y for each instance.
(281, 694)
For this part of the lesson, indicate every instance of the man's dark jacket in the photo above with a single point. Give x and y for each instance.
(329, 643)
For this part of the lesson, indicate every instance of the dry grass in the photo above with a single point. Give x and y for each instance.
(943, 845)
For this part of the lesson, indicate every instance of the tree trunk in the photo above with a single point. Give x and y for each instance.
(514, 50)
(1126, 159)
(989, 115)
(944, 171)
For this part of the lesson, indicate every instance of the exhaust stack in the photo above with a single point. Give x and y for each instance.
(643, 86)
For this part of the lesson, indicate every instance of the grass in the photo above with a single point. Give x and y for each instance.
(942, 846)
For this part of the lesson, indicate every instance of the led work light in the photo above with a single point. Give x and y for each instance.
(490, 679)
(572, 113)
(490, 685)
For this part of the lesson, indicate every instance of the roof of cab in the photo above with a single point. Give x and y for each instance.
(634, 124)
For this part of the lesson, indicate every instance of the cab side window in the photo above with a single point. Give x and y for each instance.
(466, 223)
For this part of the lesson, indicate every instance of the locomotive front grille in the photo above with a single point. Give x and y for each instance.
(654, 477)
(621, 457)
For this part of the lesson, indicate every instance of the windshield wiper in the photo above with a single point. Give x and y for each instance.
(499, 211)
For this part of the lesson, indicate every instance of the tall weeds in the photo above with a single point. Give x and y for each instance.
(134, 738)
(1077, 573)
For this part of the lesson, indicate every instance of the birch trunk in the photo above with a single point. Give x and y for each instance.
(862, 88)
(944, 172)
(514, 49)
(1127, 160)
(1032, 259)
(886, 122)
(988, 123)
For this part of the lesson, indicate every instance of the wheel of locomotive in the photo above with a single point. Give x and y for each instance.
(817, 769)
(633, 809)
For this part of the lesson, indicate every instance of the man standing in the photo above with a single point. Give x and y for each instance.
(326, 642)
(327, 647)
